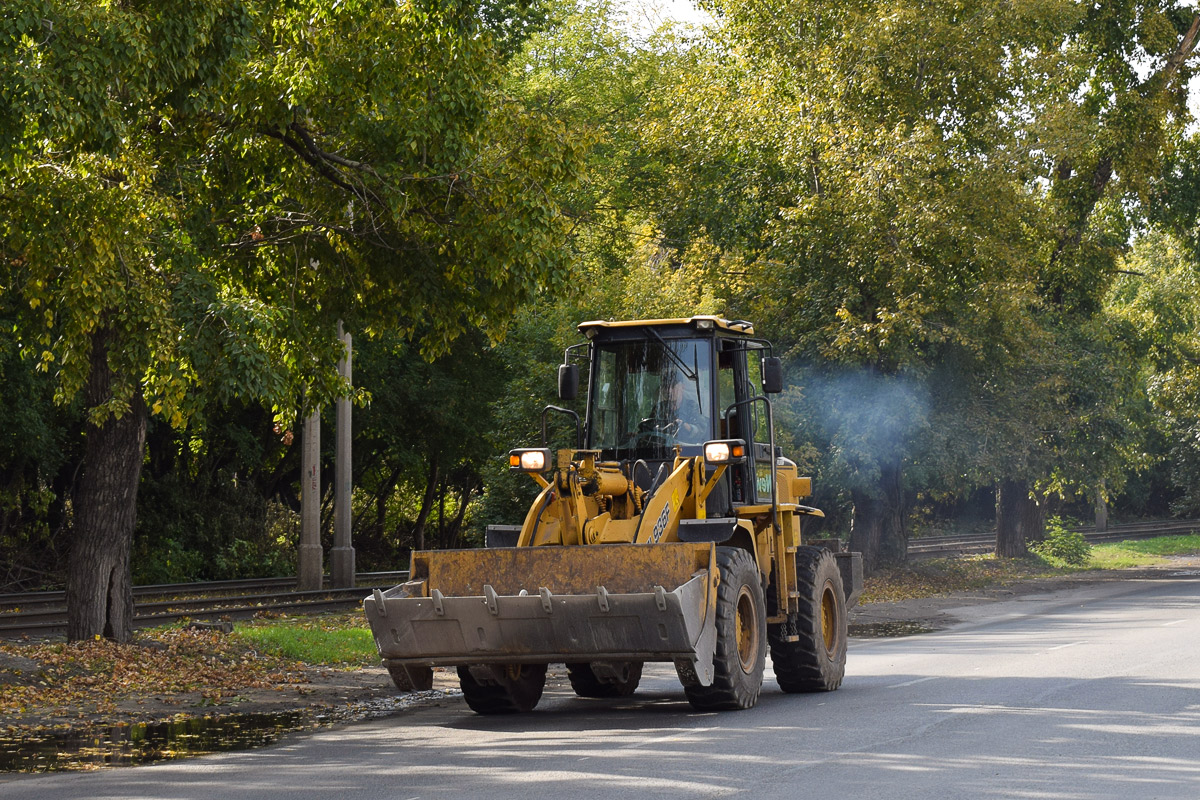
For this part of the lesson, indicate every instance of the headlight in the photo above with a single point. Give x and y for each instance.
(532, 460)
(725, 451)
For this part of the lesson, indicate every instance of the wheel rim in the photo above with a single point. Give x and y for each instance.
(747, 630)
(828, 617)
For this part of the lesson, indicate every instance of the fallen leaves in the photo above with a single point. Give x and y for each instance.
(96, 675)
(945, 575)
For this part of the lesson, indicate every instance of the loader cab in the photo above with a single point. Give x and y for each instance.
(657, 387)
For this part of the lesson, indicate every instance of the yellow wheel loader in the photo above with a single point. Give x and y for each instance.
(670, 532)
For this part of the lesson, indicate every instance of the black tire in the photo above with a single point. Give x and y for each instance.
(741, 652)
(817, 661)
(517, 689)
(586, 684)
(412, 679)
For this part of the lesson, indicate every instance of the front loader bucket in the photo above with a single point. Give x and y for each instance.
(618, 602)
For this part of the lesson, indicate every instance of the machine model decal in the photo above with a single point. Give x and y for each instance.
(661, 525)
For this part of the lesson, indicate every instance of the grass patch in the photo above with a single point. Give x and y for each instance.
(336, 639)
(1143, 552)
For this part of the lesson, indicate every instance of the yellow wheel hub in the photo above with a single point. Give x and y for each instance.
(747, 631)
(828, 617)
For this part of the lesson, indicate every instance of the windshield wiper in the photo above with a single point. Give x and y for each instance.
(692, 375)
(679, 362)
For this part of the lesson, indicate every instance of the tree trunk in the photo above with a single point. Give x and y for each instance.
(381, 513)
(1033, 516)
(441, 509)
(464, 499)
(1101, 508)
(866, 529)
(893, 540)
(1011, 501)
(877, 529)
(99, 586)
(431, 483)
(381, 500)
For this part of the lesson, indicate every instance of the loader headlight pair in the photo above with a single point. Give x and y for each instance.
(529, 460)
(725, 451)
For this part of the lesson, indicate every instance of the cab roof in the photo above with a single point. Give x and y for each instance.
(701, 322)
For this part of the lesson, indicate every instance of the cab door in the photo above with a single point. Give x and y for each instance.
(759, 434)
(743, 416)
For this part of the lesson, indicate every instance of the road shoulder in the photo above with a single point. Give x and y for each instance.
(946, 610)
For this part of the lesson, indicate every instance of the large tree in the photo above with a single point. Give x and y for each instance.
(870, 183)
(1160, 297)
(1102, 122)
(193, 195)
(915, 185)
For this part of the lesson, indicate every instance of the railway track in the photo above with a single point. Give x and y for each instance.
(961, 544)
(44, 613)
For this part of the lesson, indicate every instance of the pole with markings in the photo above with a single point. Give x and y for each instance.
(341, 557)
(310, 556)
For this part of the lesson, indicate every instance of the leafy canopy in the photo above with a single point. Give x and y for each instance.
(213, 184)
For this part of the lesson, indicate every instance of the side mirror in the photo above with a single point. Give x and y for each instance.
(772, 375)
(568, 382)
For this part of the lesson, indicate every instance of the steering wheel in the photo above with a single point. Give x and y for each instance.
(659, 426)
(654, 430)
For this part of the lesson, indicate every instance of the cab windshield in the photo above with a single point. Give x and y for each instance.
(648, 396)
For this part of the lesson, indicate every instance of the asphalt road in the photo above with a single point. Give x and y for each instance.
(1089, 693)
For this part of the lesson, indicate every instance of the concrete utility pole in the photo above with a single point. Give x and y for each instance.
(341, 558)
(310, 556)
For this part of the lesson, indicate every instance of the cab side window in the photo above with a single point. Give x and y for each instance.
(605, 425)
(726, 396)
(760, 437)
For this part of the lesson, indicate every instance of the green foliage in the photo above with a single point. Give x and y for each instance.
(1062, 545)
(1159, 299)
(36, 457)
(952, 221)
(204, 190)
(925, 205)
(217, 185)
(422, 443)
(190, 530)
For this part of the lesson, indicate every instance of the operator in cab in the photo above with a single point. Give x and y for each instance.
(687, 422)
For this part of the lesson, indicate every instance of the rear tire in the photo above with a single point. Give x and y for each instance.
(586, 684)
(817, 662)
(741, 651)
(412, 679)
(517, 688)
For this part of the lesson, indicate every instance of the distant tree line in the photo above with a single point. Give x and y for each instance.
(971, 230)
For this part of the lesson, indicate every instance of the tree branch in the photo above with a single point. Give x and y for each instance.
(311, 159)
(311, 144)
(1187, 45)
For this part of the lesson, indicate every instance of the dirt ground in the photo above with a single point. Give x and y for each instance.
(322, 695)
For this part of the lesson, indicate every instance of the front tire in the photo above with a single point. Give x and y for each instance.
(412, 679)
(816, 662)
(510, 688)
(741, 651)
(586, 684)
